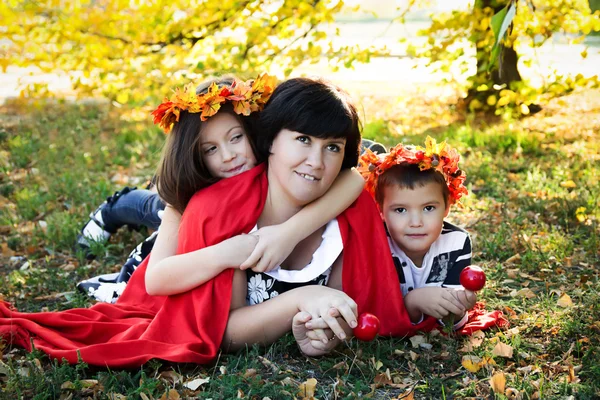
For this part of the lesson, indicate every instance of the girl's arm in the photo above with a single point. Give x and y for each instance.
(169, 274)
(275, 243)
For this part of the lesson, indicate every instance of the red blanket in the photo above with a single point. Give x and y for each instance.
(189, 327)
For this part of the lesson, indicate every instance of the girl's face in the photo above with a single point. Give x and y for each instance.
(302, 167)
(225, 147)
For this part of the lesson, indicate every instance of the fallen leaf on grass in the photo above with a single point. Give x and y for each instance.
(171, 395)
(568, 184)
(513, 259)
(513, 394)
(307, 389)
(7, 251)
(250, 372)
(572, 378)
(471, 363)
(473, 341)
(171, 376)
(498, 383)
(565, 301)
(525, 292)
(417, 340)
(196, 383)
(503, 350)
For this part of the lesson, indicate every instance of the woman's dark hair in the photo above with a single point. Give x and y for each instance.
(410, 176)
(181, 171)
(313, 107)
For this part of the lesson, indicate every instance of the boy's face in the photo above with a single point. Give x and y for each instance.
(414, 217)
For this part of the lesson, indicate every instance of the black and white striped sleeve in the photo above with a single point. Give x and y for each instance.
(461, 259)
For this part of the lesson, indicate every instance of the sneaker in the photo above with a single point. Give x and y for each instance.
(375, 147)
(103, 288)
(95, 230)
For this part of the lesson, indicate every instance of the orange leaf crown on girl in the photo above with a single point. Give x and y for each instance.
(439, 156)
(246, 97)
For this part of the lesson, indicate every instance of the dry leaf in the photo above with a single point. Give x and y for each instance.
(565, 301)
(568, 184)
(513, 394)
(196, 383)
(413, 355)
(473, 341)
(116, 396)
(513, 259)
(525, 292)
(307, 389)
(417, 340)
(172, 395)
(250, 372)
(67, 385)
(503, 350)
(7, 251)
(171, 376)
(471, 363)
(382, 380)
(144, 396)
(498, 383)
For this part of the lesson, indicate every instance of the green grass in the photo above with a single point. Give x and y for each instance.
(533, 213)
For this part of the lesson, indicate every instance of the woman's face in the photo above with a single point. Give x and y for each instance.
(225, 146)
(303, 167)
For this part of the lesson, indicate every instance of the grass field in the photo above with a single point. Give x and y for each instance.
(533, 213)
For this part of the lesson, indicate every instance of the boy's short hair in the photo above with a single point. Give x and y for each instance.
(409, 176)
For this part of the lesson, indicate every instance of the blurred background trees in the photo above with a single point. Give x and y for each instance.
(134, 51)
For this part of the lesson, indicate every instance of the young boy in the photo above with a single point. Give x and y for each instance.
(414, 188)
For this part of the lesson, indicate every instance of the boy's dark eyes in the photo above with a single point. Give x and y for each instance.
(429, 208)
(400, 210)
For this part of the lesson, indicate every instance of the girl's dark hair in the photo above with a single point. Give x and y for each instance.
(181, 171)
(313, 107)
(410, 176)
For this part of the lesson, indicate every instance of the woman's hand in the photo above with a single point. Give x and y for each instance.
(275, 243)
(329, 304)
(307, 340)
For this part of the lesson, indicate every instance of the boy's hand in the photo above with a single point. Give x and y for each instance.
(466, 297)
(274, 245)
(437, 302)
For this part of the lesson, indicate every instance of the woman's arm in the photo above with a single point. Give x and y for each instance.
(266, 322)
(275, 243)
(169, 274)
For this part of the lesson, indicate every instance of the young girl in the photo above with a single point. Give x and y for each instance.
(224, 149)
(309, 132)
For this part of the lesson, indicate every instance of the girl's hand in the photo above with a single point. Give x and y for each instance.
(329, 304)
(275, 244)
(238, 248)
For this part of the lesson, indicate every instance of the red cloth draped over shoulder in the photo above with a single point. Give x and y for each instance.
(189, 327)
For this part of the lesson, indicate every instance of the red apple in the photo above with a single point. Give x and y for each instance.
(367, 328)
(472, 278)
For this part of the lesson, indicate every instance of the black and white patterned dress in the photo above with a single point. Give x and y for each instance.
(265, 286)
